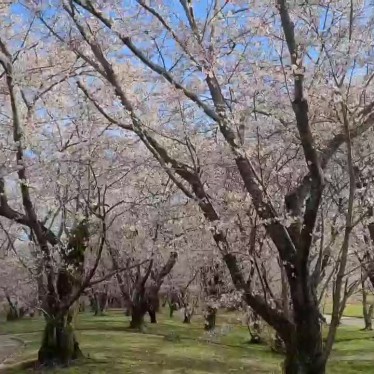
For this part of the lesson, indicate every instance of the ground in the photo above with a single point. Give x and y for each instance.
(170, 347)
(350, 310)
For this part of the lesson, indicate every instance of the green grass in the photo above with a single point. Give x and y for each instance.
(111, 348)
(351, 310)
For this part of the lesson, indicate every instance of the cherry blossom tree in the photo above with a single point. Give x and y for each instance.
(247, 109)
(51, 187)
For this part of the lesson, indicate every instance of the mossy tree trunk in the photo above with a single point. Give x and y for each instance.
(59, 344)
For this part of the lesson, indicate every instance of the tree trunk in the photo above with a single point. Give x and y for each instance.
(172, 309)
(304, 354)
(152, 316)
(300, 363)
(59, 344)
(137, 318)
(210, 318)
(127, 312)
(99, 302)
(13, 313)
(103, 302)
(368, 316)
(82, 306)
(127, 307)
(368, 313)
(94, 305)
(277, 345)
(367, 309)
(187, 314)
(255, 330)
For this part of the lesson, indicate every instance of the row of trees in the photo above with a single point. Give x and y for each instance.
(133, 134)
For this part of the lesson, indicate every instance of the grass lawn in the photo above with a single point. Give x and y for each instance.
(351, 310)
(170, 347)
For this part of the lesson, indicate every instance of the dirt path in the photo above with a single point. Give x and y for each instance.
(348, 321)
(8, 347)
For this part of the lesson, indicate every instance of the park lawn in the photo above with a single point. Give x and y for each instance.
(350, 310)
(171, 347)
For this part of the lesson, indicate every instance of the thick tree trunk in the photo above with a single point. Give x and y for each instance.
(304, 355)
(152, 316)
(59, 344)
(152, 301)
(210, 318)
(137, 319)
(301, 363)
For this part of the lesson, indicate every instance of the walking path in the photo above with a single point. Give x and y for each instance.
(8, 347)
(348, 321)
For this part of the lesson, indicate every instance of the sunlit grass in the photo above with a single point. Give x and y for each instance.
(350, 310)
(111, 348)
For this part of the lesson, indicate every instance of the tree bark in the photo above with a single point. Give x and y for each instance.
(94, 305)
(254, 328)
(367, 309)
(13, 313)
(297, 362)
(369, 318)
(59, 344)
(210, 318)
(127, 311)
(99, 303)
(172, 309)
(137, 317)
(304, 353)
(152, 315)
(188, 312)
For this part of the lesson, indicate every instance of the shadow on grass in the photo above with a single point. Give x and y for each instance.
(111, 347)
(112, 352)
